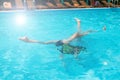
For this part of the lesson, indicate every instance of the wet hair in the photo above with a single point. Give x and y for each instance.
(59, 43)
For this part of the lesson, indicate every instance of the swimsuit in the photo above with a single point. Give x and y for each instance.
(59, 43)
(69, 49)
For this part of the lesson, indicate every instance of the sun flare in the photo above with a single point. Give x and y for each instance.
(20, 19)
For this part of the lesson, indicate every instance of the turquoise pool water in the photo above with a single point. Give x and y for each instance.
(24, 61)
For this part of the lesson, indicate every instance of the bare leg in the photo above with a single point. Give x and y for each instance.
(74, 36)
(76, 53)
(78, 25)
(61, 57)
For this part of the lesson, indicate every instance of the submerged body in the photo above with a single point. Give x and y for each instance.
(66, 48)
(69, 49)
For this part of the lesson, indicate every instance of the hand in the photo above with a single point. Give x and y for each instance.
(25, 39)
(104, 28)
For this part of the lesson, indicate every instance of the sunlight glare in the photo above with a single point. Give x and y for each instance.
(20, 19)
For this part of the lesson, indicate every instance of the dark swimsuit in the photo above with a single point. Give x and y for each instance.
(59, 43)
(69, 49)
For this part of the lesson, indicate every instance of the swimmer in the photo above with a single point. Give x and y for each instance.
(65, 43)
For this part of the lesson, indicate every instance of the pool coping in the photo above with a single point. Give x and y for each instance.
(58, 9)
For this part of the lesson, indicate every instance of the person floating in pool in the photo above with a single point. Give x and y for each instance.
(66, 47)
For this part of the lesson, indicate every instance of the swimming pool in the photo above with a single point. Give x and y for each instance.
(24, 61)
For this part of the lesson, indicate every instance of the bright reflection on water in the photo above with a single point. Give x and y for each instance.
(20, 19)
